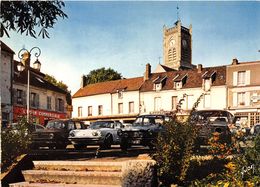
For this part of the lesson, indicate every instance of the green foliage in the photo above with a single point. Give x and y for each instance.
(14, 142)
(51, 79)
(174, 149)
(24, 16)
(242, 170)
(102, 75)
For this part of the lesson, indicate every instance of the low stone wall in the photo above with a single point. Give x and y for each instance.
(139, 173)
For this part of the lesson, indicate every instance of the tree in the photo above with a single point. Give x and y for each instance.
(23, 16)
(51, 79)
(102, 75)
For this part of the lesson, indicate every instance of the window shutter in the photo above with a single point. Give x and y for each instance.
(247, 98)
(56, 104)
(234, 99)
(37, 100)
(23, 97)
(248, 77)
(235, 78)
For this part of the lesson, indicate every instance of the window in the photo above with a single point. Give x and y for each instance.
(120, 94)
(190, 101)
(241, 78)
(100, 110)
(207, 101)
(49, 102)
(131, 107)
(174, 102)
(120, 108)
(60, 105)
(241, 98)
(178, 85)
(207, 84)
(34, 100)
(80, 111)
(19, 97)
(158, 86)
(157, 104)
(89, 110)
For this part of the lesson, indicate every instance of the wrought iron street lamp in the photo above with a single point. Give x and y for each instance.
(25, 58)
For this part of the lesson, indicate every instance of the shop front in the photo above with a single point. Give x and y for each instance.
(38, 116)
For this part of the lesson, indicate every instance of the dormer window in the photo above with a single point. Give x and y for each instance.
(208, 79)
(120, 94)
(178, 85)
(159, 82)
(179, 81)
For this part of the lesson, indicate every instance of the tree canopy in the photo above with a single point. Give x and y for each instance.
(53, 80)
(24, 16)
(102, 75)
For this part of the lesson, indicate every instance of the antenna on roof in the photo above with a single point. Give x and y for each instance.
(178, 17)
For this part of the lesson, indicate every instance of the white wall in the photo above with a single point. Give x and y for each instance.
(94, 101)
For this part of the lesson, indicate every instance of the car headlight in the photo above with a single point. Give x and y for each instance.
(51, 135)
(72, 134)
(95, 133)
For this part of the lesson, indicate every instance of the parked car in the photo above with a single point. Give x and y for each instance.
(102, 133)
(144, 131)
(15, 128)
(255, 130)
(211, 121)
(56, 133)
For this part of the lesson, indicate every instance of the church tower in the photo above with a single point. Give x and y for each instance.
(177, 47)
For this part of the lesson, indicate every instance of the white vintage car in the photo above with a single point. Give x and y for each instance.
(102, 133)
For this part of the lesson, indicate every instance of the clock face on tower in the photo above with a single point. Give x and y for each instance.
(172, 43)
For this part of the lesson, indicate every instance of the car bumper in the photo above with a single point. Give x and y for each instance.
(87, 141)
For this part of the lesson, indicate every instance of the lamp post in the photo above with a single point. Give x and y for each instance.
(25, 58)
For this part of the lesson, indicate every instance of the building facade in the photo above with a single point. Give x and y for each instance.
(153, 93)
(47, 101)
(243, 84)
(6, 72)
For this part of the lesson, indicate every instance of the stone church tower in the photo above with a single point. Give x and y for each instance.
(177, 47)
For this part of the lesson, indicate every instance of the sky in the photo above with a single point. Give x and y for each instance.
(126, 35)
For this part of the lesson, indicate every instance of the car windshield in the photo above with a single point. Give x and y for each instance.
(220, 116)
(101, 124)
(55, 125)
(148, 120)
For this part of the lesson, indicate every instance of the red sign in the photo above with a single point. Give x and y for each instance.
(39, 116)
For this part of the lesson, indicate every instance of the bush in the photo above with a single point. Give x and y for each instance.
(14, 142)
(174, 149)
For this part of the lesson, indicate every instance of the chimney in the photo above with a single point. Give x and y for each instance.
(234, 61)
(83, 81)
(199, 67)
(147, 73)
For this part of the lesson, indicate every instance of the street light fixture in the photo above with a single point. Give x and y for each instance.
(24, 55)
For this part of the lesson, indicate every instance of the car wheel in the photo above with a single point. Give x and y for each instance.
(107, 142)
(79, 146)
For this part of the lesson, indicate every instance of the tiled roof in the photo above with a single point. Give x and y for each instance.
(36, 79)
(194, 79)
(110, 87)
(4, 47)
